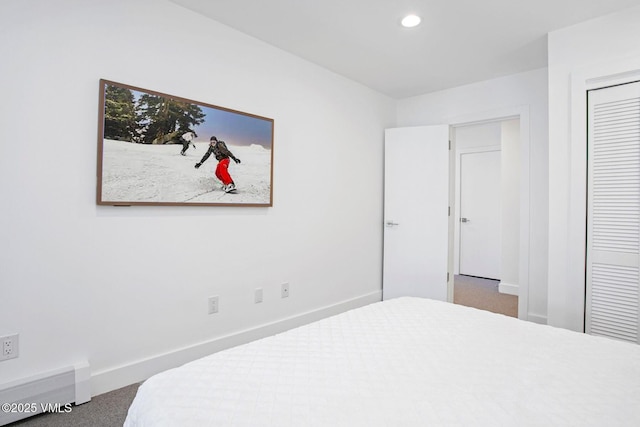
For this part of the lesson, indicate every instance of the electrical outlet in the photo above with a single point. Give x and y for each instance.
(257, 297)
(9, 349)
(284, 290)
(213, 304)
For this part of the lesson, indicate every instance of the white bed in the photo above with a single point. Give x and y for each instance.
(403, 362)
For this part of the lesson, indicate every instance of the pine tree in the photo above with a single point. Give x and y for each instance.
(165, 116)
(120, 116)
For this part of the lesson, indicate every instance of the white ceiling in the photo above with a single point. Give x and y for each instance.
(458, 42)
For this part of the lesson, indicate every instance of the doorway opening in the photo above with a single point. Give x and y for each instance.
(486, 218)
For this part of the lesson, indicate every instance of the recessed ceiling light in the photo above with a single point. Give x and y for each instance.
(411, 21)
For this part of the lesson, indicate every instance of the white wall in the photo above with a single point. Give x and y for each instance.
(499, 98)
(117, 285)
(510, 191)
(605, 47)
(477, 135)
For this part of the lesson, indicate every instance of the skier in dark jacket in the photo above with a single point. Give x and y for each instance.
(186, 139)
(221, 152)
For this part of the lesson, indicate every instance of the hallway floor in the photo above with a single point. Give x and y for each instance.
(483, 294)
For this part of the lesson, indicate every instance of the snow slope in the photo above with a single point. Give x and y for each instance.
(142, 173)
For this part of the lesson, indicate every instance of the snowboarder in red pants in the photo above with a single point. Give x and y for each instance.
(221, 152)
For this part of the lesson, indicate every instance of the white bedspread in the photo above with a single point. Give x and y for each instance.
(403, 362)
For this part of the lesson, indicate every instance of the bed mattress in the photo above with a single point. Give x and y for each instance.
(403, 362)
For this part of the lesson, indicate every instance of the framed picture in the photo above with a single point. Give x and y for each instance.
(159, 149)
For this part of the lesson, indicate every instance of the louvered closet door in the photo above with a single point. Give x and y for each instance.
(613, 219)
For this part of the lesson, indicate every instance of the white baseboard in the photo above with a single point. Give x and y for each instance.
(536, 318)
(115, 378)
(508, 288)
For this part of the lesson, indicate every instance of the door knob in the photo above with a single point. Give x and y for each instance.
(465, 220)
(391, 223)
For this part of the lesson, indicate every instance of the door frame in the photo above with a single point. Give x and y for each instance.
(458, 198)
(516, 112)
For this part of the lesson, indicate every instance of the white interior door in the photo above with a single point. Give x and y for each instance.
(416, 201)
(613, 214)
(480, 214)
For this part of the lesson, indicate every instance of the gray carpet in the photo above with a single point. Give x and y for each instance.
(105, 410)
(483, 294)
